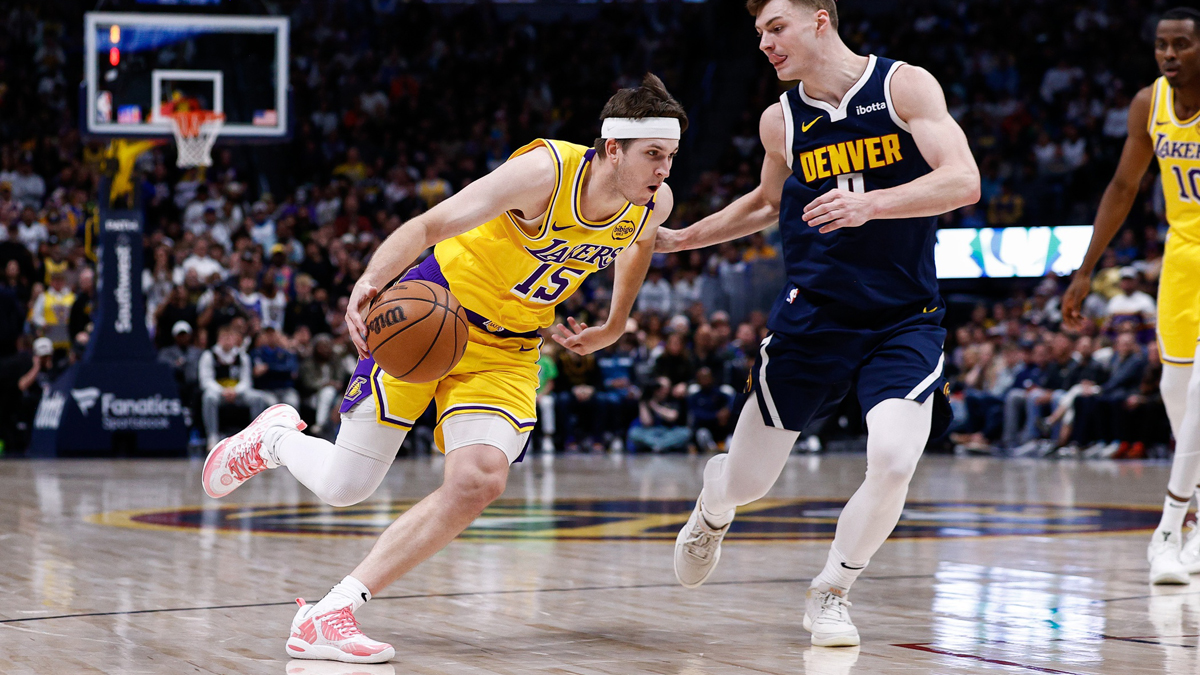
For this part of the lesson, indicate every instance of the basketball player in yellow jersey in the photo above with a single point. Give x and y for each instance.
(1164, 122)
(510, 247)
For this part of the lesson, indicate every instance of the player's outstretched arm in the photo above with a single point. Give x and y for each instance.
(953, 183)
(1115, 204)
(631, 267)
(521, 184)
(751, 212)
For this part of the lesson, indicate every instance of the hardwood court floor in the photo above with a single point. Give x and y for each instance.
(105, 567)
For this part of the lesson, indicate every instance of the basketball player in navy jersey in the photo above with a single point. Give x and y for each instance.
(860, 159)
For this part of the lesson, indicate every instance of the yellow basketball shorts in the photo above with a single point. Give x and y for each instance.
(496, 375)
(1179, 301)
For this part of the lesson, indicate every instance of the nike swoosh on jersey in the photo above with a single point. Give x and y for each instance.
(808, 126)
(929, 311)
(556, 228)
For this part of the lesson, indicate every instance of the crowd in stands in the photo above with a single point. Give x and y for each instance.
(246, 288)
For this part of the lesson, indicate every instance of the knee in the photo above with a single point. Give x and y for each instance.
(343, 496)
(894, 465)
(477, 485)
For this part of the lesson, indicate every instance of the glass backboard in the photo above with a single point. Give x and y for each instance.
(140, 67)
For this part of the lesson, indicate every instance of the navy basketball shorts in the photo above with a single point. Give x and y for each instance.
(799, 378)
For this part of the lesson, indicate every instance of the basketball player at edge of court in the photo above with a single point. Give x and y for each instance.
(510, 247)
(860, 158)
(1162, 123)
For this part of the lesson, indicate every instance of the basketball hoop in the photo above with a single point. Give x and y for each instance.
(195, 133)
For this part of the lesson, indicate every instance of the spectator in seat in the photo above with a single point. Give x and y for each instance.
(1095, 414)
(661, 420)
(620, 395)
(322, 378)
(656, 293)
(1026, 386)
(710, 407)
(51, 313)
(276, 367)
(184, 358)
(579, 413)
(85, 298)
(226, 376)
(1131, 306)
(305, 310)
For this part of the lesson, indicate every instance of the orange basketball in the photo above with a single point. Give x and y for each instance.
(417, 331)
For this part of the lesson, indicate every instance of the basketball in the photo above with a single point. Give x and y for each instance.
(417, 331)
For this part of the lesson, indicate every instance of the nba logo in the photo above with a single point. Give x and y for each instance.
(792, 295)
(104, 107)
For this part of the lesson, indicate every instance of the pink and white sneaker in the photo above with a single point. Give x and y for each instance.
(234, 460)
(333, 636)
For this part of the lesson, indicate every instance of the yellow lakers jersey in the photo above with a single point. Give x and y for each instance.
(515, 276)
(1177, 146)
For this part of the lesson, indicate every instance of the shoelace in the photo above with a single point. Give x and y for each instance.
(245, 462)
(832, 602)
(343, 621)
(699, 542)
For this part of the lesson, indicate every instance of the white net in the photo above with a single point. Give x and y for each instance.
(195, 133)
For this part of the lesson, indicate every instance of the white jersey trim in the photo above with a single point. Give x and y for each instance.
(789, 128)
(937, 372)
(776, 421)
(887, 95)
(843, 108)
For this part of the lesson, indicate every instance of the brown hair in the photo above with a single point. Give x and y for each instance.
(755, 6)
(649, 100)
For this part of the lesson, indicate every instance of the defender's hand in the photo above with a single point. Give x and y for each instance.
(360, 299)
(837, 209)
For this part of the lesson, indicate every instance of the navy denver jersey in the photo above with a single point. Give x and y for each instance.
(871, 274)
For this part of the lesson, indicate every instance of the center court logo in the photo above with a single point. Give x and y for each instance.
(652, 520)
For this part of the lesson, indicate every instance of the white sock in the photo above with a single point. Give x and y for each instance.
(839, 572)
(349, 591)
(715, 520)
(1172, 519)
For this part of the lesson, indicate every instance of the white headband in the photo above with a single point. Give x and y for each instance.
(621, 128)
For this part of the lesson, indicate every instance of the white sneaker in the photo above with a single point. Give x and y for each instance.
(697, 549)
(333, 636)
(1190, 555)
(827, 617)
(236, 459)
(1165, 565)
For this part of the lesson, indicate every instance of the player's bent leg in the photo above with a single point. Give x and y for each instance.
(348, 471)
(236, 459)
(897, 431)
(757, 454)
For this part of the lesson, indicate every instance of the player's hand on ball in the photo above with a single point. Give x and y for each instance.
(837, 209)
(1077, 292)
(360, 300)
(581, 339)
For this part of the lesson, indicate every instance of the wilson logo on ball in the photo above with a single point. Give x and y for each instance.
(386, 319)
